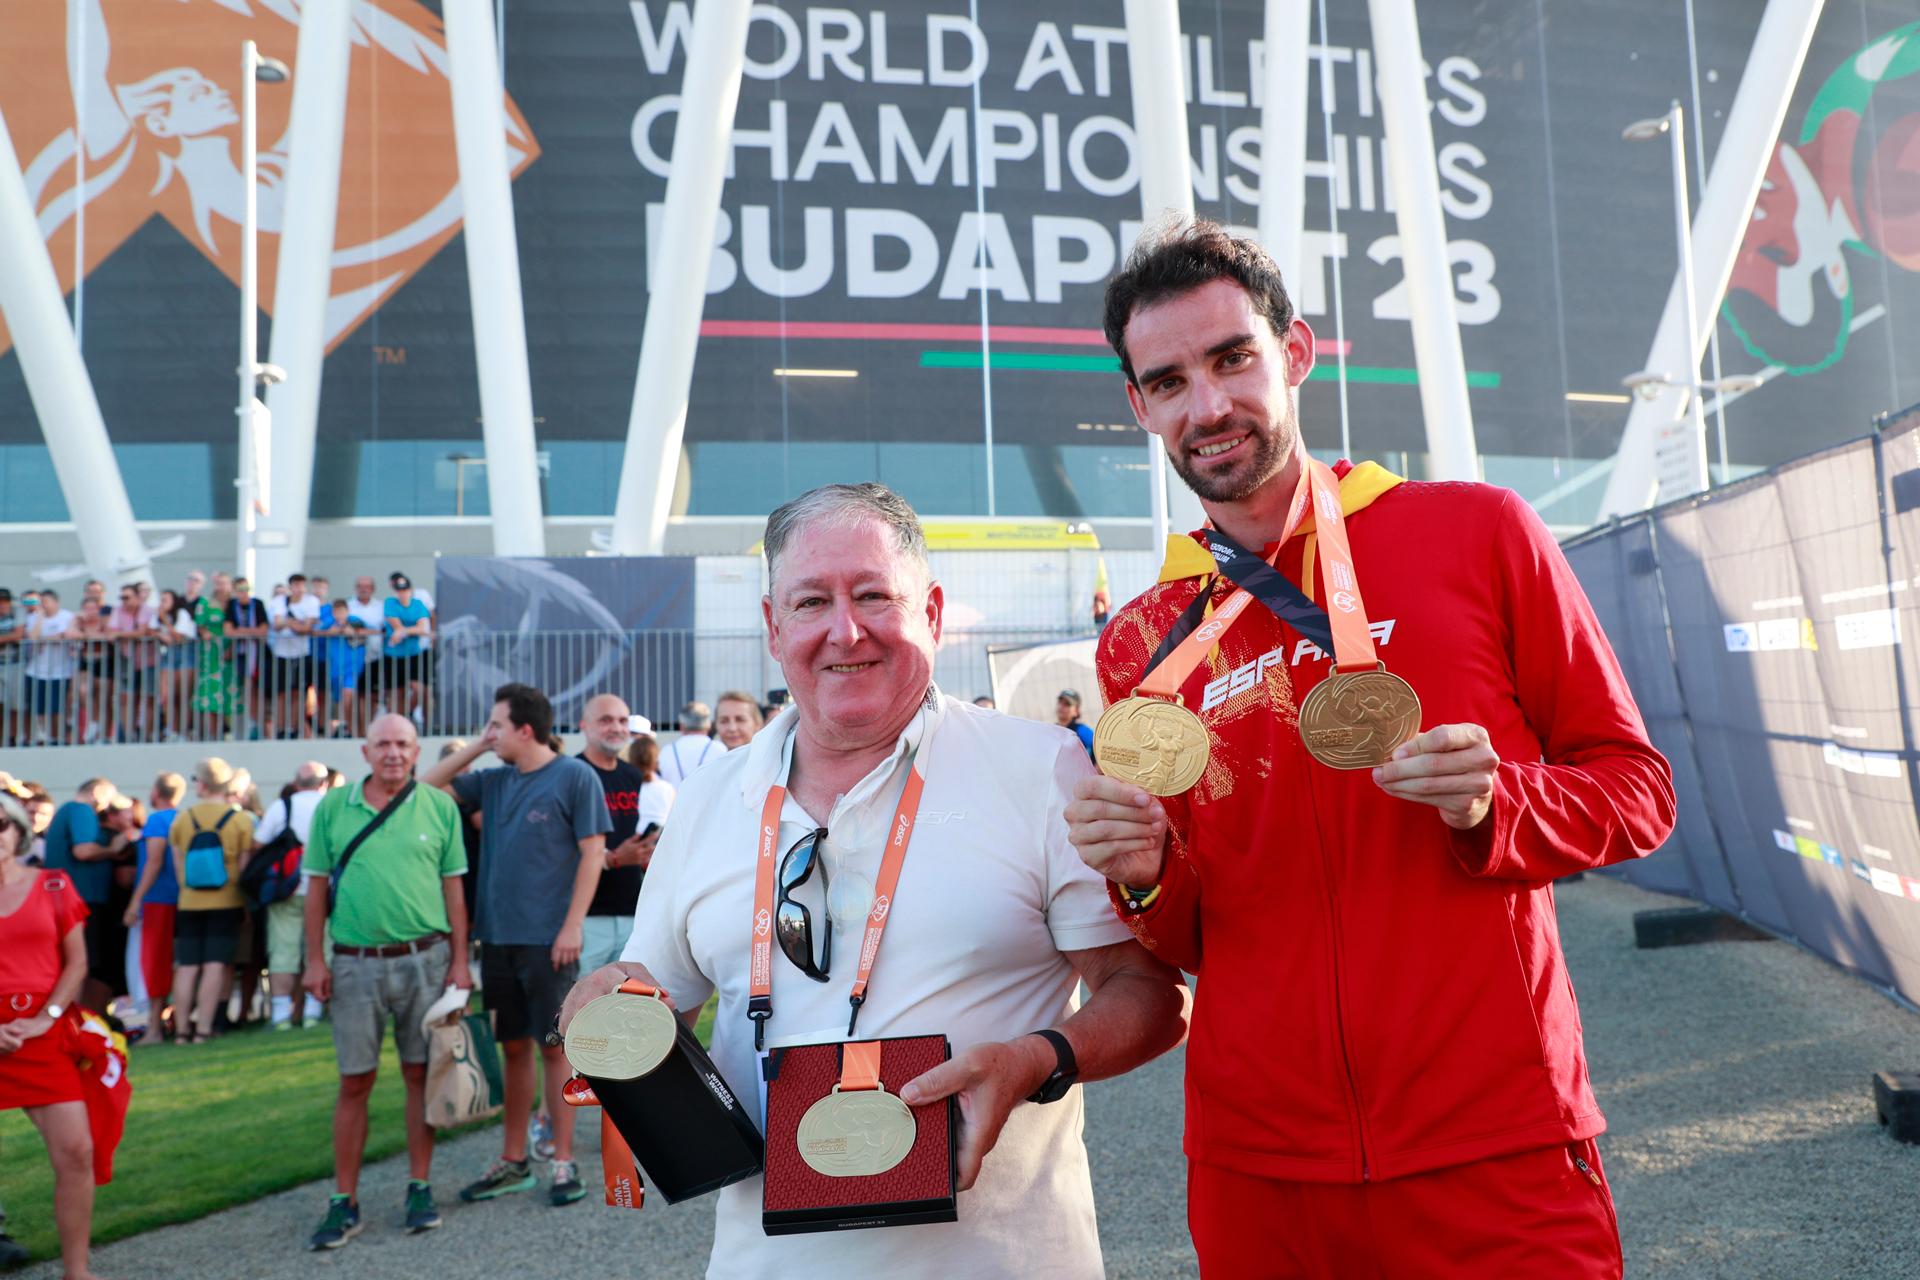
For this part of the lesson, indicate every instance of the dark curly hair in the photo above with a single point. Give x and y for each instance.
(1181, 258)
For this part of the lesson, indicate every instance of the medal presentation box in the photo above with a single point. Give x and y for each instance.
(683, 1122)
(826, 1188)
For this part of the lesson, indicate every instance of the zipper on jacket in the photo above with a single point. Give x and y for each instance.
(1339, 1007)
(1586, 1169)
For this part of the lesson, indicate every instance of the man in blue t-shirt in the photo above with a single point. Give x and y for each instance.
(409, 623)
(74, 848)
(1066, 709)
(156, 897)
(543, 831)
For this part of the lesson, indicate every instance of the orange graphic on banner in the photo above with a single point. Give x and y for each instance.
(124, 110)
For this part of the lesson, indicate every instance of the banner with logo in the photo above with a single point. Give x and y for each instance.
(1765, 630)
(923, 205)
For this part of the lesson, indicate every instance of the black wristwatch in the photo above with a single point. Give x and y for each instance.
(1066, 1072)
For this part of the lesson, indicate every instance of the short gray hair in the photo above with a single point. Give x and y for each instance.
(843, 505)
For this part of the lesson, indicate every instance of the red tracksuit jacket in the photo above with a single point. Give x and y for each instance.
(1378, 994)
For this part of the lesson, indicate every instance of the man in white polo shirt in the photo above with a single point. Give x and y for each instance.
(993, 925)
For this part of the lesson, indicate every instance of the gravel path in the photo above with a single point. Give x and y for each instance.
(1735, 1076)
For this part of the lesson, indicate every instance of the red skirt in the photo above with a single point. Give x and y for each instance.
(41, 1072)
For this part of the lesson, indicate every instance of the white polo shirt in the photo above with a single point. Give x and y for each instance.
(990, 896)
(679, 758)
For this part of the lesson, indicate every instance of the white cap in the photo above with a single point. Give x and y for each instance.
(640, 725)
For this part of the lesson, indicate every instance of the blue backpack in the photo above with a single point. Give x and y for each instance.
(206, 855)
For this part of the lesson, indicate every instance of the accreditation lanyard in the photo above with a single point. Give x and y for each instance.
(760, 974)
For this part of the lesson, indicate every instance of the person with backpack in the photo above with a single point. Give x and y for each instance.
(274, 884)
(386, 857)
(210, 840)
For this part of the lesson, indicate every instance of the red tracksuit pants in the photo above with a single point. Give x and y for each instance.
(1536, 1213)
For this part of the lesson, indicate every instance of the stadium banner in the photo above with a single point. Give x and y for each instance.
(923, 204)
(1766, 630)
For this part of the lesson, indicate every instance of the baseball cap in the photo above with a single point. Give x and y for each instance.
(1068, 695)
(400, 582)
(6, 593)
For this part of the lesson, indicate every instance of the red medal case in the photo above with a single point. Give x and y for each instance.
(921, 1188)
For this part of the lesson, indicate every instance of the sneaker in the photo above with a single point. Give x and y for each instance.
(505, 1177)
(342, 1224)
(540, 1137)
(12, 1252)
(567, 1186)
(421, 1213)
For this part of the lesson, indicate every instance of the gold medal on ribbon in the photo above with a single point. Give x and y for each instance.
(1157, 745)
(1355, 720)
(856, 1134)
(621, 1036)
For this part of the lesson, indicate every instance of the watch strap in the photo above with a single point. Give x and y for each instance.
(1065, 1072)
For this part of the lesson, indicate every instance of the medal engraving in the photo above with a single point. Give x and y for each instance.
(621, 1036)
(1356, 720)
(858, 1134)
(1157, 745)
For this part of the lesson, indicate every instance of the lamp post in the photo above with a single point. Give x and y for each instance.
(1645, 131)
(254, 69)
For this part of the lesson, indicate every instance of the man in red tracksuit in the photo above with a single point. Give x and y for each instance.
(1385, 1074)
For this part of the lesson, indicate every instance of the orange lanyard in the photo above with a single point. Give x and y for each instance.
(760, 972)
(1346, 614)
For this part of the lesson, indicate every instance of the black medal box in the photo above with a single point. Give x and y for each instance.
(683, 1122)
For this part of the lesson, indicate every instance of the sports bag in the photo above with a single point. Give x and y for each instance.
(273, 874)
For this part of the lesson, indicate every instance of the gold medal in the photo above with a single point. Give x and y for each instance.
(1153, 743)
(1356, 720)
(856, 1134)
(621, 1036)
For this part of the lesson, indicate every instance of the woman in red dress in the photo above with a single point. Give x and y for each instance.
(43, 961)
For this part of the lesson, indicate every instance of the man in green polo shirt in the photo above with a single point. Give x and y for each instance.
(399, 933)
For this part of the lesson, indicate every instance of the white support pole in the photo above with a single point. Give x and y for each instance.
(493, 282)
(245, 499)
(62, 393)
(1691, 446)
(1166, 191)
(1283, 136)
(1451, 452)
(1726, 206)
(677, 283)
(303, 280)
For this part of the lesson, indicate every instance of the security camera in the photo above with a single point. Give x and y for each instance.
(268, 374)
(1647, 384)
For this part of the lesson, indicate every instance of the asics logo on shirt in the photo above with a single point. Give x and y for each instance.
(1245, 676)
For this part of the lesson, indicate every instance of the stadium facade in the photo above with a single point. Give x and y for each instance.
(923, 202)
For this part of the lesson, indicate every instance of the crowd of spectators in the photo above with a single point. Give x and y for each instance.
(210, 660)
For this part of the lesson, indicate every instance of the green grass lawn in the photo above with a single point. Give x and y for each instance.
(209, 1127)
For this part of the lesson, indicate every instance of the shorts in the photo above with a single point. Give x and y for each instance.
(206, 937)
(41, 1072)
(106, 941)
(603, 939)
(135, 679)
(1533, 1213)
(178, 657)
(156, 949)
(47, 696)
(368, 990)
(287, 935)
(292, 675)
(522, 989)
(13, 685)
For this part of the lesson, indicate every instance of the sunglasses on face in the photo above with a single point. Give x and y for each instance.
(792, 922)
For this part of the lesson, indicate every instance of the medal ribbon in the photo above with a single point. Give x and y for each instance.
(760, 972)
(1346, 614)
(1171, 669)
(860, 1066)
(1340, 628)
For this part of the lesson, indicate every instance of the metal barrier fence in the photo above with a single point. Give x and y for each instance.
(77, 691)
